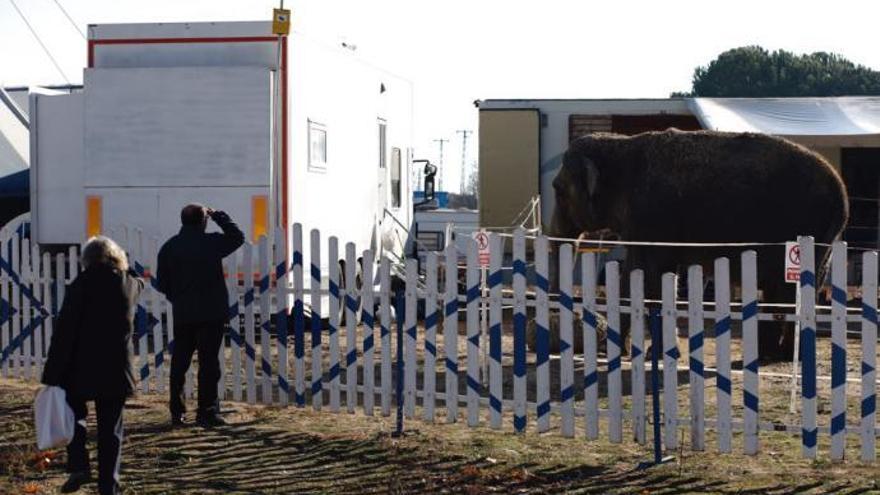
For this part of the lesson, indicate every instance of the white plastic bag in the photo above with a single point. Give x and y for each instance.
(54, 418)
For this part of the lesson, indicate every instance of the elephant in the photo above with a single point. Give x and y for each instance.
(703, 187)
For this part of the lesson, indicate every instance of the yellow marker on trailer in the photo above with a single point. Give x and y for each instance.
(281, 21)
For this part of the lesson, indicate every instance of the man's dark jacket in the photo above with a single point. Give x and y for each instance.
(190, 271)
(89, 355)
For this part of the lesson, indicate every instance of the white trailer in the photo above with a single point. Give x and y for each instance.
(273, 129)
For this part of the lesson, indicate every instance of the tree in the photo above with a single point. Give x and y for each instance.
(752, 71)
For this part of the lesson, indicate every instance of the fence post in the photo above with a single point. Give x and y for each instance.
(566, 348)
(496, 390)
(808, 346)
(232, 267)
(542, 334)
(474, 386)
(670, 360)
(519, 331)
(431, 315)
(838, 350)
(351, 308)
(695, 362)
(655, 383)
(410, 323)
(450, 332)
(401, 309)
(265, 339)
(317, 383)
(869, 355)
(299, 319)
(368, 320)
(722, 352)
(385, 332)
(637, 323)
(333, 320)
(614, 346)
(249, 343)
(282, 310)
(751, 383)
(591, 373)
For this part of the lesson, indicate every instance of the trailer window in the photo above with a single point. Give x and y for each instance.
(317, 146)
(382, 143)
(429, 241)
(395, 177)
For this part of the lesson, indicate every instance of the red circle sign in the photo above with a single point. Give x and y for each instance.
(794, 255)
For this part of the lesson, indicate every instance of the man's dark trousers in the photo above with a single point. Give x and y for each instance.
(109, 416)
(206, 338)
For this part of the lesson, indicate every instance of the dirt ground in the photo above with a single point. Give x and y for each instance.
(273, 450)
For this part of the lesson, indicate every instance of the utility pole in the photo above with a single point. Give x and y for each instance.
(463, 182)
(440, 170)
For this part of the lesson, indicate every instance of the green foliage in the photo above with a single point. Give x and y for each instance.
(752, 71)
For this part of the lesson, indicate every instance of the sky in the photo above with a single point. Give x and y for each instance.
(457, 51)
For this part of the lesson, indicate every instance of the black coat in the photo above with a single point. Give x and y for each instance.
(90, 352)
(190, 271)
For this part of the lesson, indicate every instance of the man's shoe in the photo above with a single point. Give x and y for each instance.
(177, 421)
(210, 421)
(75, 481)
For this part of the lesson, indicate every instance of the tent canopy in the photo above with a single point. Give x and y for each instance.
(845, 120)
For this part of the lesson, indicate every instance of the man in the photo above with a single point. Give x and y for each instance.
(190, 274)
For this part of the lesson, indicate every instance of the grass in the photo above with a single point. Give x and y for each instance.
(274, 450)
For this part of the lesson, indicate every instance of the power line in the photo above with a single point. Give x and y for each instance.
(40, 41)
(75, 26)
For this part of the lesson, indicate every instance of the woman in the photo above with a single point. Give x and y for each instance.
(90, 358)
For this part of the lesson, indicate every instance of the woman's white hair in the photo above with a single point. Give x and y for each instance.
(100, 250)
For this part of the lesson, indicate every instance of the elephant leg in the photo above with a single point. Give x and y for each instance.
(776, 338)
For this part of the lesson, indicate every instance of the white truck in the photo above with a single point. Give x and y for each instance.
(273, 129)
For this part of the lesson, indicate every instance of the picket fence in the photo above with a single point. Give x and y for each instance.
(268, 296)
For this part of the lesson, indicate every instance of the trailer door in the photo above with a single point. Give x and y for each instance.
(57, 200)
(509, 164)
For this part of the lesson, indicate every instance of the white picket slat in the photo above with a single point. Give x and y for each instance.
(351, 365)
(47, 304)
(155, 304)
(409, 339)
(282, 312)
(566, 341)
(299, 367)
(519, 331)
(19, 319)
(334, 320)
(722, 352)
(614, 347)
(751, 383)
(810, 432)
(637, 324)
(369, 349)
(140, 254)
(869, 356)
(6, 326)
(316, 349)
(496, 389)
(696, 336)
(542, 333)
(27, 315)
(838, 350)
(473, 334)
(670, 361)
(249, 339)
(385, 332)
(590, 323)
(234, 323)
(430, 355)
(262, 292)
(450, 331)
